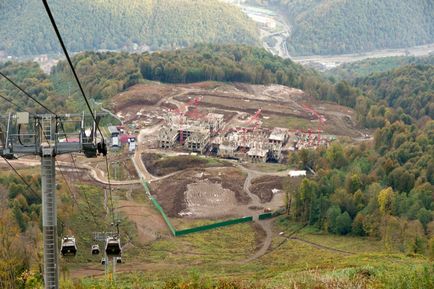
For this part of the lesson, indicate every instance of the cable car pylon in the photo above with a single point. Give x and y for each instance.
(39, 134)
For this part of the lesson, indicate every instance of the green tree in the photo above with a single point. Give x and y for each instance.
(343, 223)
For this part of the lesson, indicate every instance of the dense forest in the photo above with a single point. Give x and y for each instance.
(384, 188)
(110, 24)
(105, 74)
(363, 68)
(409, 89)
(336, 27)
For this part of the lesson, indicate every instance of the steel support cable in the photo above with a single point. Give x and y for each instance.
(27, 94)
(65, 51)
(67, 184)
(112, 209)
(11, 102)
(20, 176)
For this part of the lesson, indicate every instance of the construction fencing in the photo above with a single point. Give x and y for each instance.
(214, 226)
(183, 232)
(158, 207)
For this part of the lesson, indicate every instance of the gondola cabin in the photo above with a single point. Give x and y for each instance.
(113, 247)
(95, 249)
(68, 247)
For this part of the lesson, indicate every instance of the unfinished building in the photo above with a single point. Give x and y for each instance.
(258, 154)
(167, 137)
(198, 140)
(209, 134)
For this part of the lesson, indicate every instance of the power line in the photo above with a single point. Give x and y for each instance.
(27, 94)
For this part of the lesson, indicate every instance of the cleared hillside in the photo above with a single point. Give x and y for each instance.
(110, 24)
(347, 26)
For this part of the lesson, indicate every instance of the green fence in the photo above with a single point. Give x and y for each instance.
(270, 215)
(265, 216)
(158, 207)
(214, 226)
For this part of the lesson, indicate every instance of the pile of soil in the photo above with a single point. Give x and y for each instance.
(263, 186)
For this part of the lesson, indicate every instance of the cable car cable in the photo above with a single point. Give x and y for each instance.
(62, 44)
(27, 94)
(20, 176)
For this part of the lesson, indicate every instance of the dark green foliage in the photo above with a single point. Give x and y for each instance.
(343, 224)
(112, 24)
(33, 80)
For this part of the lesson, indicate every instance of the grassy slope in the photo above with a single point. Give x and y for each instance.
(199, 260)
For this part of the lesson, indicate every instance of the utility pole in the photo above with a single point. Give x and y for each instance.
(40, 135)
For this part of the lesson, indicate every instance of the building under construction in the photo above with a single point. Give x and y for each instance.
(209, 135)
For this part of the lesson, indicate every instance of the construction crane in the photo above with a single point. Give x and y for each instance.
(321, 120)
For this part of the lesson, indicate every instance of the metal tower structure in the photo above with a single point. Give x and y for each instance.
(47, 136)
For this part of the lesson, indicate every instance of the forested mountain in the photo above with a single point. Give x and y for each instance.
(382, 189)
(111, 24)
(337, 26)
(104, 74)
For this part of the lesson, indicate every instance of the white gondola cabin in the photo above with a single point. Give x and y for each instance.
(113, 247)
(68, 247)
(95, 249)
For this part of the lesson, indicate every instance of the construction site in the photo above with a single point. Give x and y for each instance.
(190, 128)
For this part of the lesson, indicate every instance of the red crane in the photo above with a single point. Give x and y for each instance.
(320, 117)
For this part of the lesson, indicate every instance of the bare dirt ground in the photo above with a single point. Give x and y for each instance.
(148, 222)
(237, 101)
(220, 190)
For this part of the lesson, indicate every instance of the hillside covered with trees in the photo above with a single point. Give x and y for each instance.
(232, 63)
(384, 188)
(110, 24)
(336, 26)
(409, 89)
(104, 74)
(363, 68)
